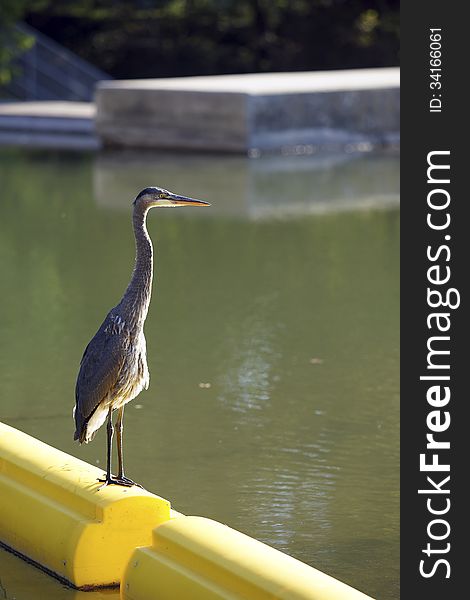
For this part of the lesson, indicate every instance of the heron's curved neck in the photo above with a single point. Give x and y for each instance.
(136, 299)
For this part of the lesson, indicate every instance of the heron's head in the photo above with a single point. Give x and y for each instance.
(154, 197)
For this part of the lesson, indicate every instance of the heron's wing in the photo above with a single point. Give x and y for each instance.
(100, 367)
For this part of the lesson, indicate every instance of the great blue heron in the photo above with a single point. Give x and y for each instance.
(113, 369)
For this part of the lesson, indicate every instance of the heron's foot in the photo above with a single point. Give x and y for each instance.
(105, 481)
(123, 480)
(113, 480)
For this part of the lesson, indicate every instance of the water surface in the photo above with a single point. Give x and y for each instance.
(272, 342)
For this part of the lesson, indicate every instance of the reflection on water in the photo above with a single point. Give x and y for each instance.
(247, 376)
(272, 340)
(271, 186)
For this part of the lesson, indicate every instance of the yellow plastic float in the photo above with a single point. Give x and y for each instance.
(199, 559)
(52, 512)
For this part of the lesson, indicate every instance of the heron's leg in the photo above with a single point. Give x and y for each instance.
(109, 430)
(121, 478)
(119, 442)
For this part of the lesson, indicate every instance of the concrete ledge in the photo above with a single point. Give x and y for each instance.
(236, 113)
(53, 513)
(48, 124)
(194, 557)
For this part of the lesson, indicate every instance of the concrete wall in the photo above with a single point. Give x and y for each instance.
(238, 113)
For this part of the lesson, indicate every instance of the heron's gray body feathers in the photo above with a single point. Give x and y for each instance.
(113, 369)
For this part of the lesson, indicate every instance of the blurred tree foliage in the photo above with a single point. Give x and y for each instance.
(153, 38)
(12, 42)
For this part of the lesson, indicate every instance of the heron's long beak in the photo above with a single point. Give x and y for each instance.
(184, 201)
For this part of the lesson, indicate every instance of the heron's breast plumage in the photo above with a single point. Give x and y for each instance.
(134, 376)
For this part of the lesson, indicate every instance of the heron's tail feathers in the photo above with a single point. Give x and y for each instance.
(86, 428)
(80, 435)
(83, 435)
(80, 427)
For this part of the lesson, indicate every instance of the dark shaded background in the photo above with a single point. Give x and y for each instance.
(154, 38)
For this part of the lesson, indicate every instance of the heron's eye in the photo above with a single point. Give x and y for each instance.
(162, 195)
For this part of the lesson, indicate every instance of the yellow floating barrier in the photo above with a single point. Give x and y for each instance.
(53, 513)
(199, 559)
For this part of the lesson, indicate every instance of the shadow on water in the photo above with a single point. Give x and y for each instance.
(22, 581)
(272, 340)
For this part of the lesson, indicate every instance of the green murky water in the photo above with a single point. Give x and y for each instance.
(283, 297)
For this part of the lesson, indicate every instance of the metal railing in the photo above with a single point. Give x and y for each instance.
(48, 71)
